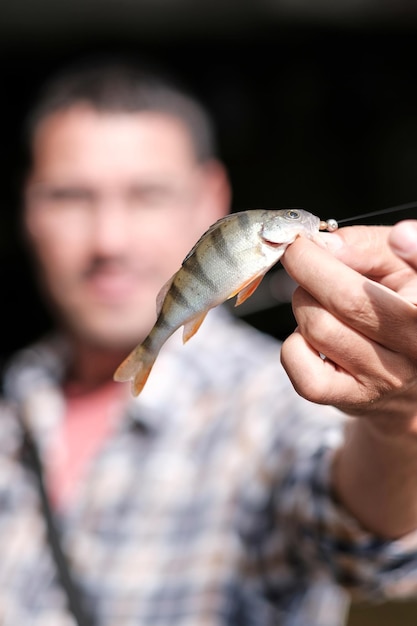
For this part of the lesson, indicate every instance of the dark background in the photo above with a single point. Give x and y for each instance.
(315, 103)
(314, 108)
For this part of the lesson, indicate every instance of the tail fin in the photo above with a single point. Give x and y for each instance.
(136, 367)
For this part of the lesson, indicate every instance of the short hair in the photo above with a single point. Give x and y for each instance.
(120, 86)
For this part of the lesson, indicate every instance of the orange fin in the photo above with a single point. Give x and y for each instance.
(192, 326)
(247, 291)
(140, 379)
(136, 369)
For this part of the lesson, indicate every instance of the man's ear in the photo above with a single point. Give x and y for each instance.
(28, 219)
(218, 194)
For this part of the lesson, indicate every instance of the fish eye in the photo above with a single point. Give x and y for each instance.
(293, 214)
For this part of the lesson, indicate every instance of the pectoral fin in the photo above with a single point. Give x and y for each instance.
(248, 290)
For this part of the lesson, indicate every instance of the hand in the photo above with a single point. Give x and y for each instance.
(355, 304)
(363, 248)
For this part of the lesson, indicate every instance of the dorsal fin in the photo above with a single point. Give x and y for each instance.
(214, 226)
(163, 292)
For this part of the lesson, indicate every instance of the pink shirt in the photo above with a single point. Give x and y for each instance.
(88, 422)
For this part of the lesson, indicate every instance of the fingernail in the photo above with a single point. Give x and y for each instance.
(403, 238)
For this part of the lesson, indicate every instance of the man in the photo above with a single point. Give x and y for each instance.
(219, 495)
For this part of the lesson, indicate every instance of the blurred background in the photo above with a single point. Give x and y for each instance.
(315, 102)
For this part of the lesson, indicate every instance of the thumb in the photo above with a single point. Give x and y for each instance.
(403, 241)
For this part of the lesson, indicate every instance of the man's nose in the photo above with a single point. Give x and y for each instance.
(111, 228)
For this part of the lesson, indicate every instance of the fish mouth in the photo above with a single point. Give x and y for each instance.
(277, 244)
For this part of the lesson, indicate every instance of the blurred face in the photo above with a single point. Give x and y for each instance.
(113, 204)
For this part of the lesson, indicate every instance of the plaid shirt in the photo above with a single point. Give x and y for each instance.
(210, 504)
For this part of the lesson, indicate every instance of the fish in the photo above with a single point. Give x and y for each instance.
(230, 259)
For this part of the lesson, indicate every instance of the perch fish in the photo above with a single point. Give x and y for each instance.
(230, 259)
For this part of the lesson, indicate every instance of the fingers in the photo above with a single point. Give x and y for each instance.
(359, 303)
(367, 250)
(366, 328)
(356, 372)
(403, 241)
(363, 248)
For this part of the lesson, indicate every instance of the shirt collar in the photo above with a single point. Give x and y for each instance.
(37, 372)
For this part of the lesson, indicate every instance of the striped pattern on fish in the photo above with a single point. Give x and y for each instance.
(230, 259)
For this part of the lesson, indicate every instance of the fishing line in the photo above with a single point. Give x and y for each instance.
(331, 224)
(394, 209)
